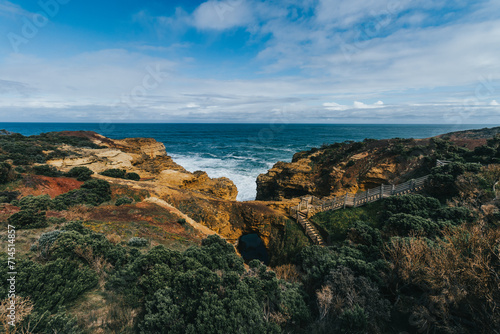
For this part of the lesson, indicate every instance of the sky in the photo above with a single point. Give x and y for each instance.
(250, 61)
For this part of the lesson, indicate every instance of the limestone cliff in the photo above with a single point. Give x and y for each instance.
(356, 166)
(144, 156)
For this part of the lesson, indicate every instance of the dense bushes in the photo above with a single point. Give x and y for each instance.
(114, 172)
(124, 200)
(39, 148)
(403, 224)
(120, 174)
(46, 170)
(137, 242)
(36, 203)
(28, 218)
(6, 173)
(54, 284)
(133, 176)
(442, 181)
(207, 290)
(351, 304)
(8, 196)
(404, 248)
(451, 284)
(80, 173)
(92, 192)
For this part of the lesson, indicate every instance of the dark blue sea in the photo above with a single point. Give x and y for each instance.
(241, 151)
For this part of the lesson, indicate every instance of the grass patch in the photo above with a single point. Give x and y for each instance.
(157, 235)
(336, 223)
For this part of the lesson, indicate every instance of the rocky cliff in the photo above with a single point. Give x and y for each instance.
(144, 156)
(210, 202)
(356, 166)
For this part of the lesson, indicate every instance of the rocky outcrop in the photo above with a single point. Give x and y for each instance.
(351, 167)
(230, 219)
(347, 167)
(220, 187)
(144, 156)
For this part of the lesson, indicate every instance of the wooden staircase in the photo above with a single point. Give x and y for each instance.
(309, 228)
(310, 205)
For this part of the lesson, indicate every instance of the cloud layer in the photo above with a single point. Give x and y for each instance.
(251, 61)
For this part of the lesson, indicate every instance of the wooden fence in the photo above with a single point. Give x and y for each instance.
(312, 205)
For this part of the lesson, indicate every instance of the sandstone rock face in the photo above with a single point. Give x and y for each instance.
(219, 187)
(144, 156)
(340, 168)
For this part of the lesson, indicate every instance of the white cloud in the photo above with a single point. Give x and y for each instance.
(494, 103)
(356, 105)
(334, 106)
(221, 15)
(8, 8)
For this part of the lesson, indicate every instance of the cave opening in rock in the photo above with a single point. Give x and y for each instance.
(252, 247)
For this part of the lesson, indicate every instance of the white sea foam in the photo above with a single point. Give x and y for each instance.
(235, 168)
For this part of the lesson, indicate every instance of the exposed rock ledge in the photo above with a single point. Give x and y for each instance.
(144, 156)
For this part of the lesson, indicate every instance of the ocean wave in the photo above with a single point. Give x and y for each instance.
(242, 173)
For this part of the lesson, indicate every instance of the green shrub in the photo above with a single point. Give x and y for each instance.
(92, 192)
(99, 187)
(137, 242)
(133, 176)
(46, 241)
(28, 218)
(35, 203)
(403, 224)
(46, 170)
(20, 169)
(114, 172)
(121, 174)
(6, 173)
(124, 200)
(54, 284)
(8, 196)
(441, 182)
(80, 173)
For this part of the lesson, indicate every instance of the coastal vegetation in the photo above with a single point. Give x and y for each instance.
(98, 257)
(121, 174)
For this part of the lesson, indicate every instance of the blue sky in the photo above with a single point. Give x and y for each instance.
(311, 61)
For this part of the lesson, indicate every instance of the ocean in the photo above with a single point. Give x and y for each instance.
(241, 151)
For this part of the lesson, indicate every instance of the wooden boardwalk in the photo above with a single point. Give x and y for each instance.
(310, 205)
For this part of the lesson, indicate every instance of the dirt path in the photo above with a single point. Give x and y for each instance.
(197, 226)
